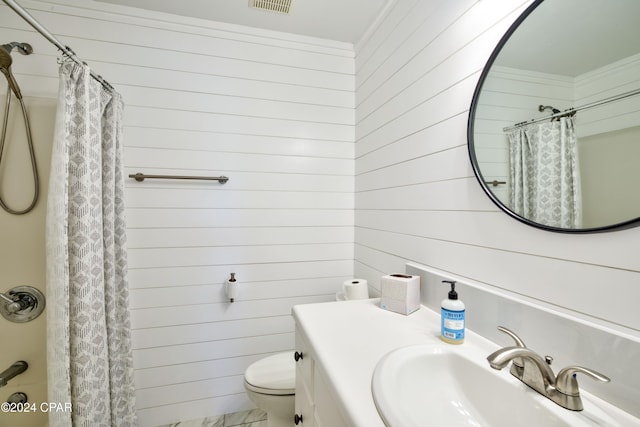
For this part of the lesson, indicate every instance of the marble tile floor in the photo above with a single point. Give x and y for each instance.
(252, 418)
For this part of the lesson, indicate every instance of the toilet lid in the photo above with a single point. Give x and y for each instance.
(276, 372)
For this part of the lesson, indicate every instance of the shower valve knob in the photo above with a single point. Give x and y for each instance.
(21, 304)
(18, 303)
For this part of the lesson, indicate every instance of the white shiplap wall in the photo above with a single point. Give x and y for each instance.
(277, 118)
(611, 80)
(273, 112)
(416, 196)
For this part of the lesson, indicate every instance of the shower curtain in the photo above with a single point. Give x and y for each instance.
(89, 358)
(545, 173)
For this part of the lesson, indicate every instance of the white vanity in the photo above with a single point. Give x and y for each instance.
(342, 342)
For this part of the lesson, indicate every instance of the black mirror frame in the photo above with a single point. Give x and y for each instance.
(474, 161)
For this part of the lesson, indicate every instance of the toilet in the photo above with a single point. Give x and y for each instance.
(270, 383)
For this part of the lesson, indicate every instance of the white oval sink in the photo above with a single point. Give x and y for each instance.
(454, 386)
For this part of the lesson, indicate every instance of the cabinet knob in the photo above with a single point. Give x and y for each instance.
(298, 357)
(297, 419)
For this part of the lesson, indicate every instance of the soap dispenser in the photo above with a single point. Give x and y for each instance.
(452, 323)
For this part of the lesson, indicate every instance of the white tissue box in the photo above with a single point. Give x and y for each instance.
(400, 293)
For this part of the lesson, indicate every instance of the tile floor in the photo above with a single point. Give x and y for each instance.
(252, 418)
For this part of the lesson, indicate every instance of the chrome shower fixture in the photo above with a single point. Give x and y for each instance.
(23, 48)
(5, 67)
(18, 398)
(541, 108)
(12, 371)
(6, 60)
(22, 304)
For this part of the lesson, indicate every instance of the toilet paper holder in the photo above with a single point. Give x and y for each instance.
(231, 287)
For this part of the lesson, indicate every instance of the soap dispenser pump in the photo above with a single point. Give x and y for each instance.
(452, 322)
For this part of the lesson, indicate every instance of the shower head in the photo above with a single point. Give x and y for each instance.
(6, 60)
(5, 68)
(541, 108)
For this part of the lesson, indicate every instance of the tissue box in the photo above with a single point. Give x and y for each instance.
(400, 293)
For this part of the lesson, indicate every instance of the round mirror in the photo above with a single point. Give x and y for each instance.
(554, 125)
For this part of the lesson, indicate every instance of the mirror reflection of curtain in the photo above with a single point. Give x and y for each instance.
(545, 173)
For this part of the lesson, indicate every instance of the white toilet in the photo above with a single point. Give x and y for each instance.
(271, 384)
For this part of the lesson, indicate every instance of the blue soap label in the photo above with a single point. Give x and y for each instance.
(452, 324)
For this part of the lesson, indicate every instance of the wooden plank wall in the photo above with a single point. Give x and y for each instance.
(274, 113)
(416, 196)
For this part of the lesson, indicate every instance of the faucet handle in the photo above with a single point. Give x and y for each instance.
(518, 362)
(566, 382)
(516, 338)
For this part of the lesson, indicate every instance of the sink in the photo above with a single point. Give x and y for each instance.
(431, 384)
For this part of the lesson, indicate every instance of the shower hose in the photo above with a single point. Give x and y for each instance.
(36, 184)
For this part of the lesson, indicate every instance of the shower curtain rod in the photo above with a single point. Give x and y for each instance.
(66, 50)
(575, 110)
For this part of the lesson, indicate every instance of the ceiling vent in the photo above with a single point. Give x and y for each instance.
(278, 6)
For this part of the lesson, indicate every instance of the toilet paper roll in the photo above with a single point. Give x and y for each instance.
(356, 289)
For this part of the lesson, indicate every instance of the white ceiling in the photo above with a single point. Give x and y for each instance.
(341, 20)
(572, 37)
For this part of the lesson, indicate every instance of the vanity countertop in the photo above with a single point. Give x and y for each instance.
(360, 333)
(348, 338)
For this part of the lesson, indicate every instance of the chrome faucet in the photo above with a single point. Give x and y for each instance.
(535, 371)
(12, 371)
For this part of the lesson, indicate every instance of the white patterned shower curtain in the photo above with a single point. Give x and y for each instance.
(545, 173)
(89, 358)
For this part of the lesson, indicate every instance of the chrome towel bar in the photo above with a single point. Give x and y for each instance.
(141, 177)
